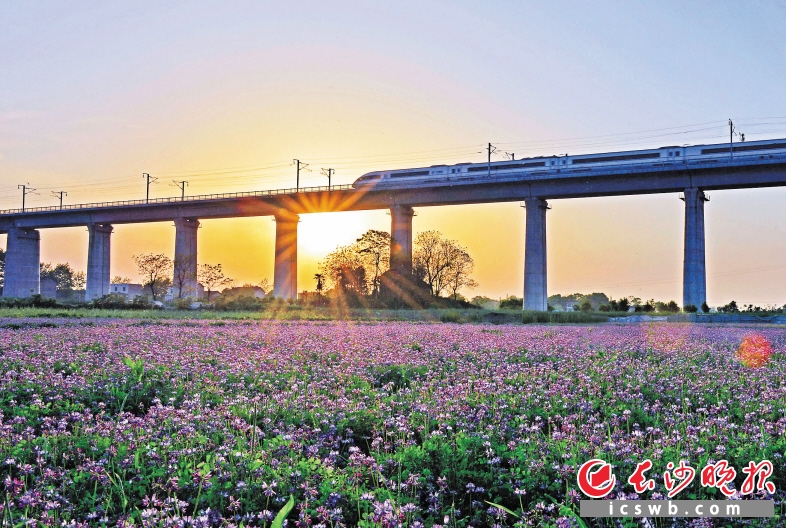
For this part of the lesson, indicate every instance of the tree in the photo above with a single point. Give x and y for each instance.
(374, 248)
(429, 260)
(340, 269)
(353, 280)
(212, 277)
(441, 263)
(265, 285)
(511, 302)
(481, 301)
(120, 280)
(595, 299)
(729, 308)
(66, 278)
(458, 272)
(182, 277)
(155, 269)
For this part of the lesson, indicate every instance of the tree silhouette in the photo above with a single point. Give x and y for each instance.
(182, 277)
(212, 277)
(442, 263)
(155, 268)
(374, 249)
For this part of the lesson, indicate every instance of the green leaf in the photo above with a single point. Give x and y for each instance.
(568, 512)
(503, 508)
(278, 522)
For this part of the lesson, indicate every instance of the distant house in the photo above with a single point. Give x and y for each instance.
(49, 288)
(565, 304)
(171, 293)
(127, 290)
(70, 296)
(244, 291)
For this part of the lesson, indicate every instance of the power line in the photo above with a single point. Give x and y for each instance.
(718, 123)
(264, 174)
(491, 150)
(300, 165)
(59, 194)
(149, 180)
(637, 138)
(182, 186)
(328, 173)
(25, 191)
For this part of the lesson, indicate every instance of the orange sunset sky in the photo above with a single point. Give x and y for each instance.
(225, 95)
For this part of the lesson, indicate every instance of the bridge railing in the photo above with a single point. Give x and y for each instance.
(174, 200)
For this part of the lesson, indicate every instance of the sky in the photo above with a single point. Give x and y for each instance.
(226, 94)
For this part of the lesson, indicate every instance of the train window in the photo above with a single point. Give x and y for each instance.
(671, 153)
(677, 153)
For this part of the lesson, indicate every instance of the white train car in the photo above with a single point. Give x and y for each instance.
(662, 157)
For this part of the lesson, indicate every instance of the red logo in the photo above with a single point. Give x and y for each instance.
(764, 471)
(719, 475)
(684, 473)
(639, 480)
(596, 484)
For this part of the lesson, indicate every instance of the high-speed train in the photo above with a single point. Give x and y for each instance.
(662, 157)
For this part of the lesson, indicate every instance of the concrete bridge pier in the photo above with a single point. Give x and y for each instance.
(97, 285)
(285, 267)
(185, 264)
(401, 238)
(535, 297)
(694, 275)
(22, 263)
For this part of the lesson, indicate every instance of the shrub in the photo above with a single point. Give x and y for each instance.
(511, 303)
(183, 304)
(451, 316)
(34, 301)
(690, 308)
(243, 302)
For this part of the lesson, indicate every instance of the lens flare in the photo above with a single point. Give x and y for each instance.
(754, 351)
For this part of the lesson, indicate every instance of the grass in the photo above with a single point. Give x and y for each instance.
(296, 312)
(562, 317)
(284, 312)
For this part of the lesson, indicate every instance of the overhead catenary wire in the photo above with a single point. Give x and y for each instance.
(266, 174)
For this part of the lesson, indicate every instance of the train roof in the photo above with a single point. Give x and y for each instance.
(595, 154)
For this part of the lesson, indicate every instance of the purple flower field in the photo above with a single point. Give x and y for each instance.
(197, 423)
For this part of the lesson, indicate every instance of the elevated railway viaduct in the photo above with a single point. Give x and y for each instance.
(692, 179)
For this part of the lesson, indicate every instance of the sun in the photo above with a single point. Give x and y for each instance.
(321, 233)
